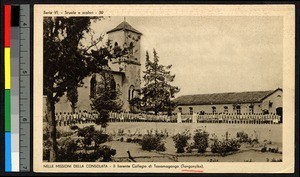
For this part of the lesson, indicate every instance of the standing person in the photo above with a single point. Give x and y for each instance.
(68, 118)
(90, 117)
(64, 118)
(59, 119)
(80, 117)
(95, 117)
(74, 117)
(84, 116)
(56, 119)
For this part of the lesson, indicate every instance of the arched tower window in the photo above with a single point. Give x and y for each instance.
(130, 92)
(93, 87)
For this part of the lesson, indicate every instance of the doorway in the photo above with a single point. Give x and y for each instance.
(279, 112)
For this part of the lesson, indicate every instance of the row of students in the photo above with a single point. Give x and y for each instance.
(71, 118)
(234, 116)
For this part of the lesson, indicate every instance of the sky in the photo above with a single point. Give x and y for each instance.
(212, 54)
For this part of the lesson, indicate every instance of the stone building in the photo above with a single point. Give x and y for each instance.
(125, 70)
(256, 102)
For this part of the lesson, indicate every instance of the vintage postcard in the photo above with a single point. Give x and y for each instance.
(164, 88)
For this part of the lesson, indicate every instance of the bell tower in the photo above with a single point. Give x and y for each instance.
(129, 65)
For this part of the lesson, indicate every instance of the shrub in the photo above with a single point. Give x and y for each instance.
(161, 147)
(110, 138)
(58, 134)
(264, 149)
(137, 140)
(66, 134)
(46, 149)
(189, 149)
(74, 127)
(181, 140)
(244, 138)
(120, 132)
(99, 137)
(201, 140)
(91, 142)
(276, 160)
(67, 152)
(152, 142)
(103, 118)
(46, 136)
(273, 150)
(129, 140)
(106, 153)
(223, 147)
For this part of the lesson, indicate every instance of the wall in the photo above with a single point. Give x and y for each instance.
(117, 36)
(131, 69)
(275, 99)
(219, 108)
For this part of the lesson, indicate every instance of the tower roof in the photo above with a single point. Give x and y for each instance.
(124, 26)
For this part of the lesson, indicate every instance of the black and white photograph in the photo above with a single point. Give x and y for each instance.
(165, 89)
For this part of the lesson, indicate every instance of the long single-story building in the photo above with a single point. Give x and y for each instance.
(255, 102)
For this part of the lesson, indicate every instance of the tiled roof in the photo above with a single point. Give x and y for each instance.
(224, 98)
(124, 26)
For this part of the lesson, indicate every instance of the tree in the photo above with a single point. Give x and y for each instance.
(67, 62)
(72, 95)
(157, 92)
(105, 97)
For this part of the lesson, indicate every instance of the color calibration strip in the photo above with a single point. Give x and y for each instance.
(17, 87)
(7, 112)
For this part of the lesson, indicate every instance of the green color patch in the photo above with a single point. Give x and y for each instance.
(7, 120)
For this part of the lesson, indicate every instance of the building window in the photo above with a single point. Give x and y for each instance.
(191, 110)
(93, 87)
(270, 104)
(238, 109)
(214, 110)
(251, 109)
(180, 109)
(131, 46)
(130, 92)
(225, 109)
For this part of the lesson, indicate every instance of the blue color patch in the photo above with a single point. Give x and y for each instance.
(8, 152)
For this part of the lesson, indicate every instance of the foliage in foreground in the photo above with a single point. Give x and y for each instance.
(153, 141)
(225, 146)
(181, 140)
(86, 147)
(201, 140)
(244, 138)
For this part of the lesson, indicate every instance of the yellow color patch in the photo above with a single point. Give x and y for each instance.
(7, 67)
